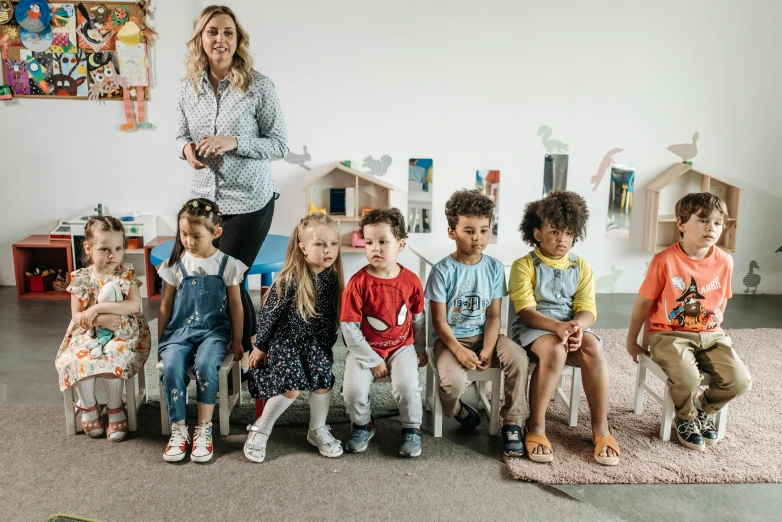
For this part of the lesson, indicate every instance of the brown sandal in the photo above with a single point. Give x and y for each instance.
(606, 441)
(89, 426)
(532, 440)
(117, 427)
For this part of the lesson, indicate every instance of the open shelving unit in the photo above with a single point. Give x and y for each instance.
(39, 250)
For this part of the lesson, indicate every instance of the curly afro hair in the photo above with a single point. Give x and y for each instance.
(467, 203)
(562, 210)
(390, 216)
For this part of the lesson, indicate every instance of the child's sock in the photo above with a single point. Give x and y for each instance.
(272, 410)
(114, 398)
(86, 391)
(319, 409)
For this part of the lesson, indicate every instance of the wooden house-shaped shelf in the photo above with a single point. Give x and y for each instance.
(665, 190)
(369, 193)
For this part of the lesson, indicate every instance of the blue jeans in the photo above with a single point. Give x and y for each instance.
(206, 358)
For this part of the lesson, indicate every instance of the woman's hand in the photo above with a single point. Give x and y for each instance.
(257, 358)
(212, 146)
(190, 154)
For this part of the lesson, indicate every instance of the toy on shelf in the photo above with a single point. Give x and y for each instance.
(365, 211)
(100, 336)
(356, 241)
(313, 209)
(40, 280)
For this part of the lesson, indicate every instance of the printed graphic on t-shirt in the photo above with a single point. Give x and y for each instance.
(468, 307)
(688, 312)
(385, 311)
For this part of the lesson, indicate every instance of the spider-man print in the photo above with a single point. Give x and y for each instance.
(385, 312)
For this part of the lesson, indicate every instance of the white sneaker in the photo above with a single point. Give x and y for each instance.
(324, 441)
(255, 445)
(176, 449)
(202, 443)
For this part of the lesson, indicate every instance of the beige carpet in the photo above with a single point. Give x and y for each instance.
(748, 453)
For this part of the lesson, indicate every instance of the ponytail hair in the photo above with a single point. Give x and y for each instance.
(197, 211)
(296, 268)
(100, 224)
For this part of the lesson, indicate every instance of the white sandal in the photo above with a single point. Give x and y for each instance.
(255, 445)
(325, 441)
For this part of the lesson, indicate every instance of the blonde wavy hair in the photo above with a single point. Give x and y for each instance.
(296, 269)
(196, 62)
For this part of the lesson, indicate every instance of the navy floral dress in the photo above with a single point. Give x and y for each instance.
(299, 354)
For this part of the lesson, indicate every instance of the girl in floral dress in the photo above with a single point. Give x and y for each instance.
(297, 327)
(125, 354)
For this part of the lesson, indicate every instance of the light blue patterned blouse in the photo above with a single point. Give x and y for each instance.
(239, 181)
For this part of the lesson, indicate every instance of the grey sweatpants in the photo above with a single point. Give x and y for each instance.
(403, 369)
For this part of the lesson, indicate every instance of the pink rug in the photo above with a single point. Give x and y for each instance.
(748, 453)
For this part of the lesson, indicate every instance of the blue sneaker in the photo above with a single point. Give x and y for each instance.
(511, 438)
(467, 416)
(411, 442)
(360, 437)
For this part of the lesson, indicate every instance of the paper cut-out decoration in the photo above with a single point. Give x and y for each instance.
(11, 32)
(63, 29)
(377, 168)
(100, 13)
(551, 145)
(69, 74)
(105, 80)
(6, 11)
(299, 159)
(752, 280)
(686, 151)
(38, 42)
(33, 15)
(88, 33)
(16, 76)
(5, 93)
(604, 164)
(4, 46)
(39, 70)
(607, 283)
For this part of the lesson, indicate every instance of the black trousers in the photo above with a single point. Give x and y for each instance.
(242, 238)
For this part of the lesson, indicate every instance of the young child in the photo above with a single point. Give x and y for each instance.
(465, 292)
(385, 331)
(297, 327)
(200, 315)
(125, 354)
(553, 293)
(684, 296)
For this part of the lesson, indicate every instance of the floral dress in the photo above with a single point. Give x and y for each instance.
(124, 355)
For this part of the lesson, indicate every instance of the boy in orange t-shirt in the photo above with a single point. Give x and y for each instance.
(684, 296)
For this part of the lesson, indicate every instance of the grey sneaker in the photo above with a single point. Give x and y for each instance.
(360, 437)
(467, 416)
(708, 428)
(255, 445)
(511, 438)
(689, 433)
(411, 442)
(324, 441)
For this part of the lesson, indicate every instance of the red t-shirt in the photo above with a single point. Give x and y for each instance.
(687, 292)
(384, 308)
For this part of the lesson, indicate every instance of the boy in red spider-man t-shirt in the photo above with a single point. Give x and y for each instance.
(383, 324)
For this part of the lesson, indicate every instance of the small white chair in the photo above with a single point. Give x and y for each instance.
(645, 363)
(574, 372)
(133, 402)
(225, 405)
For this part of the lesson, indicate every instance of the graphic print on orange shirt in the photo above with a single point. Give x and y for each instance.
(689, 313)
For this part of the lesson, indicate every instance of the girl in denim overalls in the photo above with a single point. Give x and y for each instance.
(553, 293)
(200, 316)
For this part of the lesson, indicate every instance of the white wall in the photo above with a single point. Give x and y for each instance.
(357, 78)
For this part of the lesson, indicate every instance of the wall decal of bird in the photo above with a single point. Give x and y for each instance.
(686, 151)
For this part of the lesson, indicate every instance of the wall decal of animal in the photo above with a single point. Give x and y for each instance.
(377, 167)
(607, 283)
(686, 151)
(605, 164)
(752, 280)
(552, 146)
(299, 159)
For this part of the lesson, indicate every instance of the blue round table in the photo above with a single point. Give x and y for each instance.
(268, 261)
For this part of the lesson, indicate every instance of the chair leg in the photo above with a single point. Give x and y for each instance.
(429, 387)
(130, 402)
(165, 427)
(437, 415)
(481, 385)
(667, 419)
(142, 388)
(494, 417)
(222, 387)
(575, 396)
(722, 422)
(640, 380)
(236, 375)
(70, 411)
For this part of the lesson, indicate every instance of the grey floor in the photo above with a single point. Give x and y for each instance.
(30, 332)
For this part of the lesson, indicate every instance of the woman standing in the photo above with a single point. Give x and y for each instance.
(230, 127)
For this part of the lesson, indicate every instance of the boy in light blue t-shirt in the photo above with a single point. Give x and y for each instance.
(465, 291)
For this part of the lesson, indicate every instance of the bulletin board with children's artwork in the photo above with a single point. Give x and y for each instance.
(82, 50)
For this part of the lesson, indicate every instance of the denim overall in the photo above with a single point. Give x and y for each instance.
(197, 335)
(554, 291)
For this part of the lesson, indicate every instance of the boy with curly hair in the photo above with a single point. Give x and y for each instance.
(383, 324)
(684, 296)
(553, 293)
(465, 291)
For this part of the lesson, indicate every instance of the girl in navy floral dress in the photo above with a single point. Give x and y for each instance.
(297, 327)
